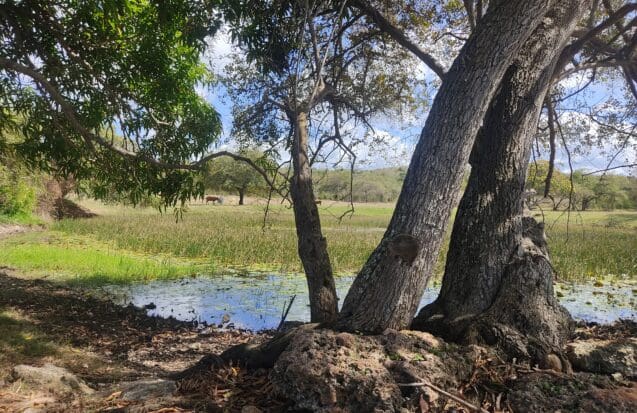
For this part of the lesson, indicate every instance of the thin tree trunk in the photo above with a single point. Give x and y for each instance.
(495, 254)
(552, 148)
(242, 193)
(387, 290)
(312, 244)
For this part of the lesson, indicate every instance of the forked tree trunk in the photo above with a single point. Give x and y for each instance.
(312, 244)
(497, 286)
(387, 290)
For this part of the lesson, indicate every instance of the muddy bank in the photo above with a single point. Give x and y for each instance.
(100, 343)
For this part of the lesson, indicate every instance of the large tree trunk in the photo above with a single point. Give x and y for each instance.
(311, 242)
(388, 289)
(498, 279)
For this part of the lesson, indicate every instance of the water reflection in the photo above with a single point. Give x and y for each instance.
(255, 301)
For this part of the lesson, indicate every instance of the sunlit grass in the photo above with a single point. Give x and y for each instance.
(20, 219)
(85, 261)
(593, 244)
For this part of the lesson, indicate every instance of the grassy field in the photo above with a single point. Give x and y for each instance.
(125, 244)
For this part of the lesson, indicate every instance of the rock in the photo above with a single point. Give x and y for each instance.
(345, 340)
(539, 392)
(604, 356)
(250, 409)
(146, 389)
(52, 378)
(552, 362)
(327, 371)
(317, 374)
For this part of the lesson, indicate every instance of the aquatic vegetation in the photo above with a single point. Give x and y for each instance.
(582, 245)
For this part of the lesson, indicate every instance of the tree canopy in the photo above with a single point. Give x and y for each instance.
(107, 91)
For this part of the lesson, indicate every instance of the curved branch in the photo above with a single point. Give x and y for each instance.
(69, 113)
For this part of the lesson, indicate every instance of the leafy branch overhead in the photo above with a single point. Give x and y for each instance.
(107, 91)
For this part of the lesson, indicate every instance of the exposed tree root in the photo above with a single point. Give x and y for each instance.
(250, 356)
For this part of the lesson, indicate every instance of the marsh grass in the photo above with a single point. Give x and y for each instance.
(124, 244)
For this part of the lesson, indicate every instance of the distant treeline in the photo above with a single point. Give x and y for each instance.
(610, 191)
(582, 192)
(376, 185)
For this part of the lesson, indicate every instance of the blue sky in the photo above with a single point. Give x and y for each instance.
(402, 135)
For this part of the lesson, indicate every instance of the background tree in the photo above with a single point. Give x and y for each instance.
(234, 176)
(560, 184)
(328, 69)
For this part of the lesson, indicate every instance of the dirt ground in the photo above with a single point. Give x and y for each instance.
(103, 344)
(106, 345)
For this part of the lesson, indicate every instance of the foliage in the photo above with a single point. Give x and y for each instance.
(17, 195)
(227, 174)
(378, 185)
(334, 66)
(106, 91)
(608, 191)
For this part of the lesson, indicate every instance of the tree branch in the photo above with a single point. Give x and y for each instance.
(586, 37)
(399, 36)
(630, 165)
(471, 15)
(71, 117)
(552, 135)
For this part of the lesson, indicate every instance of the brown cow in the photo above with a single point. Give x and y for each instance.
(214, 199)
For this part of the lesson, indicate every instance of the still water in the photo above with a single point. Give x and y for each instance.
(255, 301)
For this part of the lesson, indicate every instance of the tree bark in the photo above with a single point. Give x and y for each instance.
(386, 292)
(498, 274)
(312, 244)
(242, 193)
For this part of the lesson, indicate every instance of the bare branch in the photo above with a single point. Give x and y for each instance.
(471, 15)
(630, 165)
(620, 28)
(584, 38)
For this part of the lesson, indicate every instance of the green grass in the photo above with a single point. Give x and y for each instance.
(594, 244)
(20, 219)
(85, 261)
(234, 236)
(122, 243)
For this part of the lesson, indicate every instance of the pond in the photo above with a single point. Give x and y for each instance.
(255, 301)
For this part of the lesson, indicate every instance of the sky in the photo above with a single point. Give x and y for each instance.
(399, 136)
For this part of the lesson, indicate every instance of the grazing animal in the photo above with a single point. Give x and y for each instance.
(214, 199)
(403, 246)
(317, 202)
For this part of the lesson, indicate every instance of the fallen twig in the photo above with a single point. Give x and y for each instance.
(284, 314)
(453, 397)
